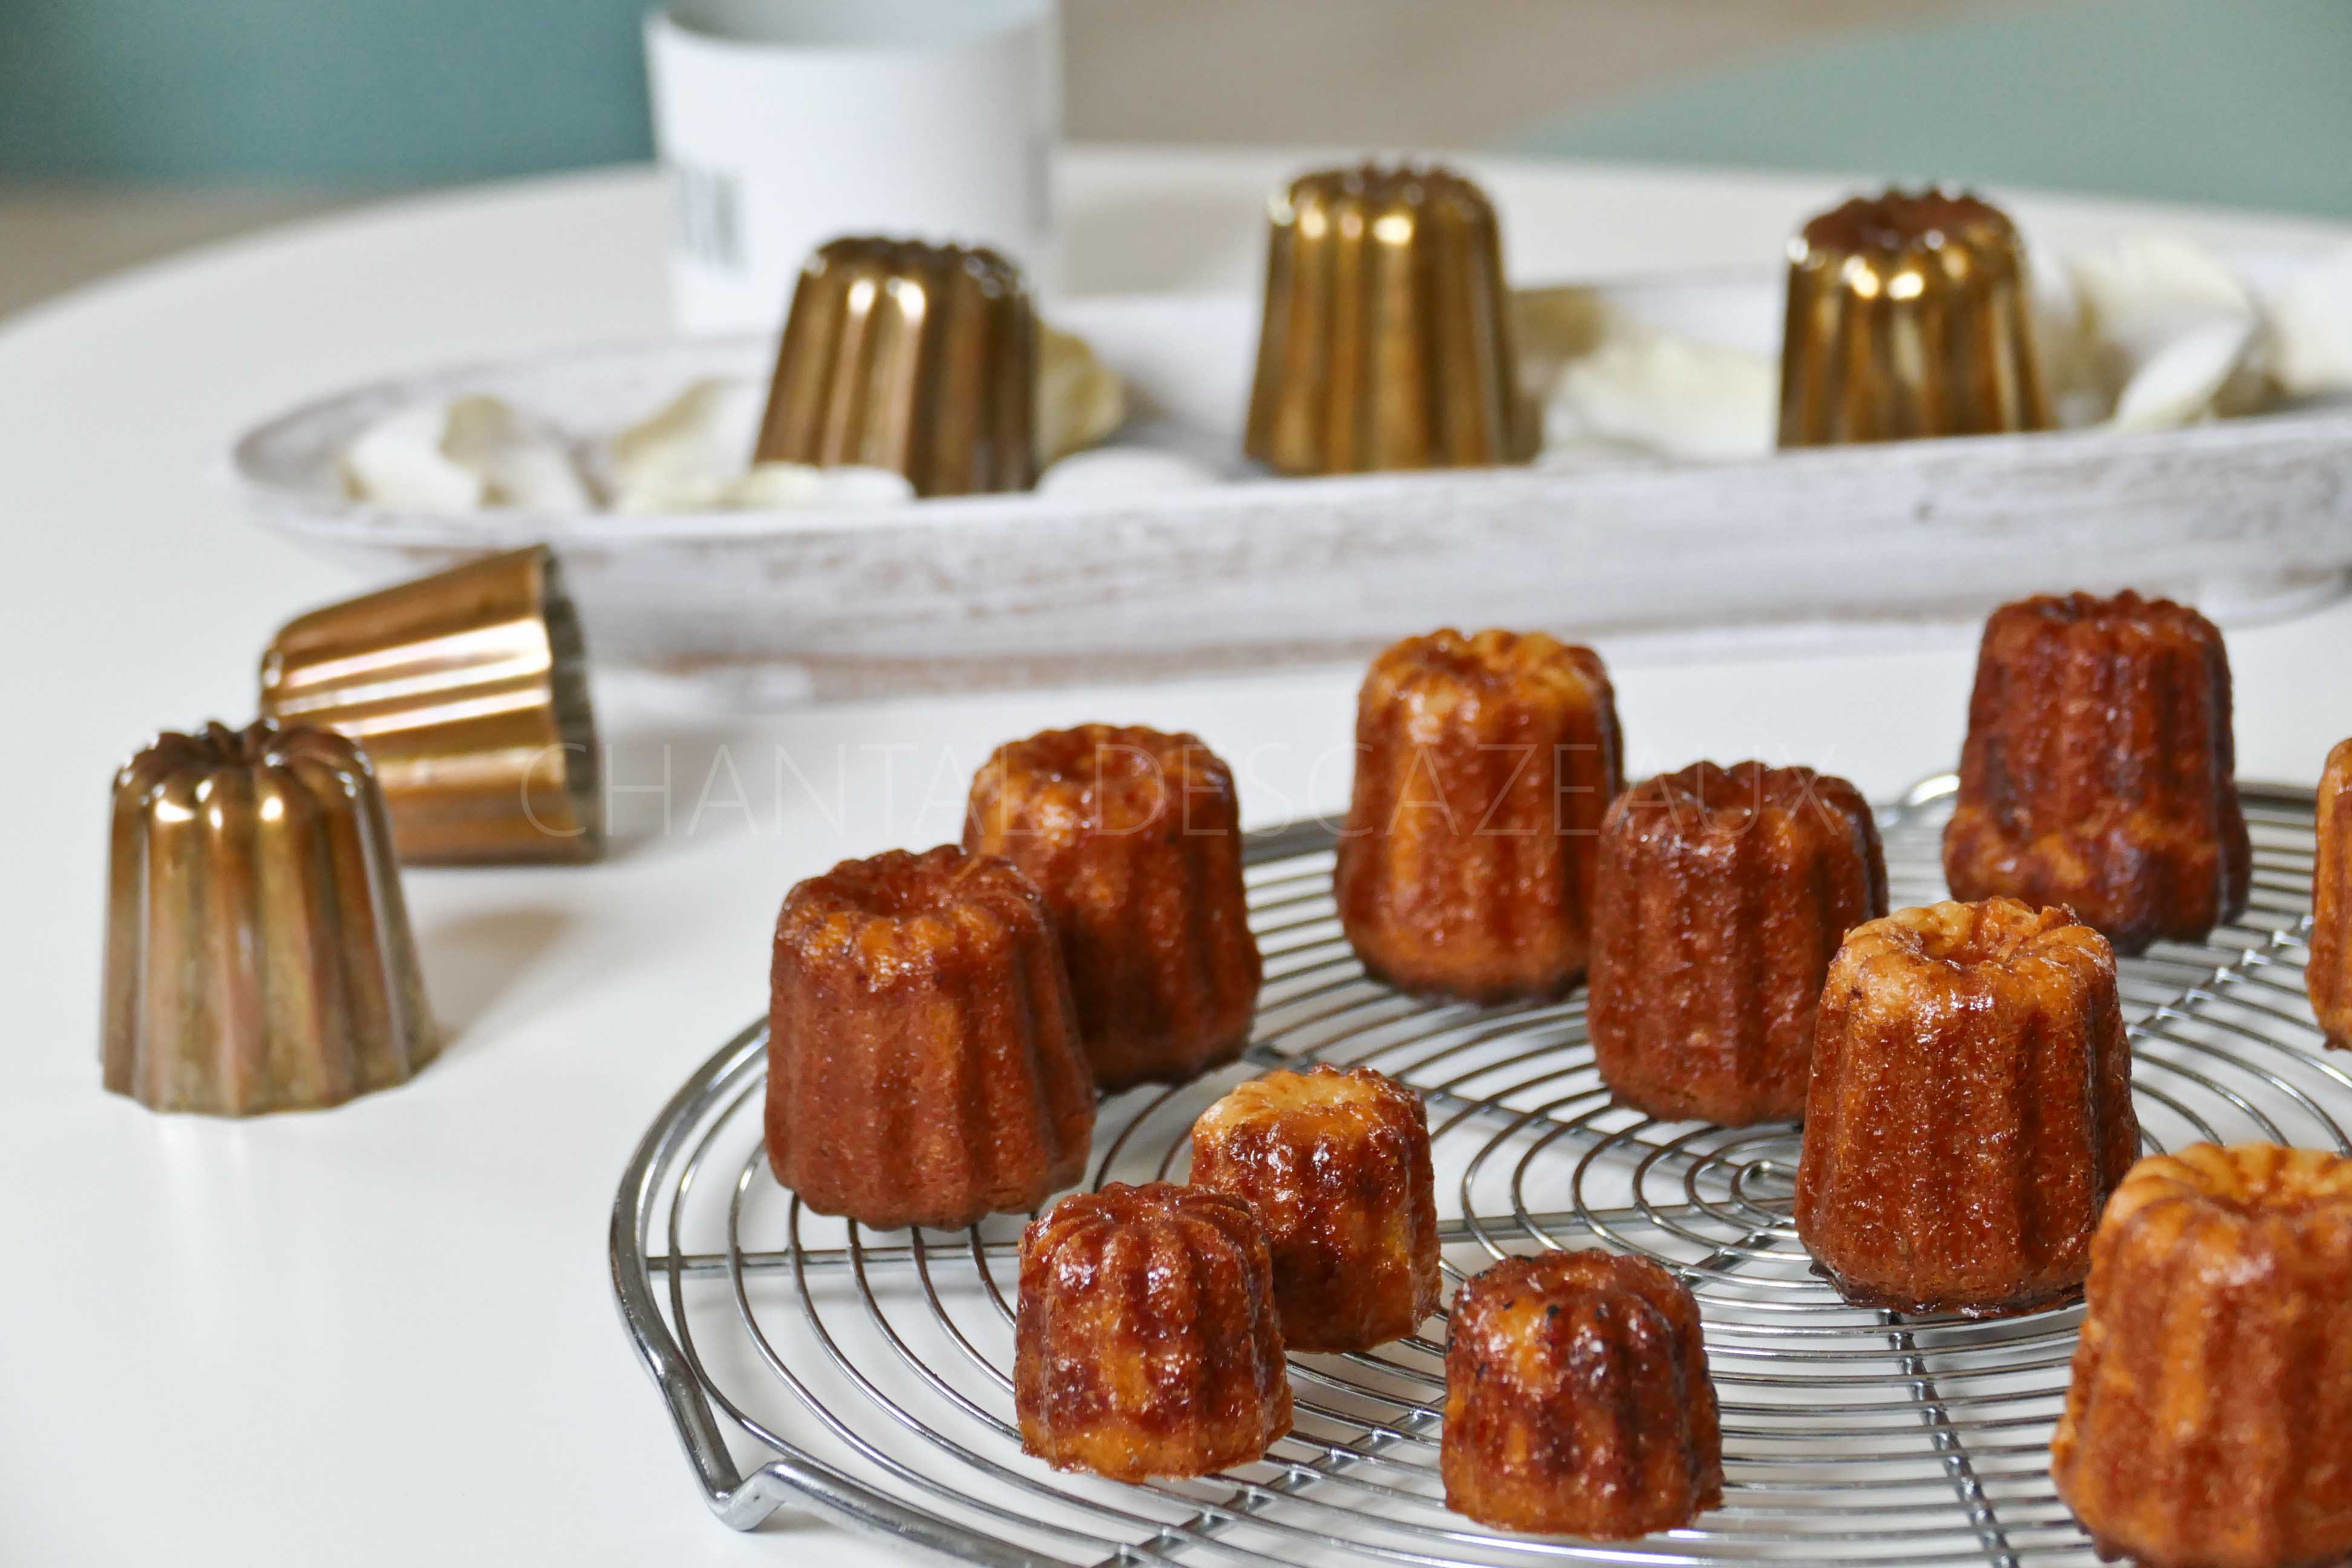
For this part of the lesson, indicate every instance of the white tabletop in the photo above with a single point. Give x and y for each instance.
(383, 1334)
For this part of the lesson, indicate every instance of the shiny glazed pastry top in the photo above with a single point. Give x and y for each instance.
(923, 1057)
(2208, 1420)
(1577, 1400)
(1337, 1164)
(1134, 838)
(1721, 897)
(1971, 1109)
(1146, 1339)
(1483, 765)
(2100, 772)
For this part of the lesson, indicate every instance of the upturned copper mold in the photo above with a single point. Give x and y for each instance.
(1909, 315)
(470, 690)
(1387, 338)
(917, 358)
(258, 951)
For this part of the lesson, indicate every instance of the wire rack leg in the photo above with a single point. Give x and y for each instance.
(1958, 1468)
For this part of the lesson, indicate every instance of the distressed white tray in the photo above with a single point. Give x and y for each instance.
(2249, 518)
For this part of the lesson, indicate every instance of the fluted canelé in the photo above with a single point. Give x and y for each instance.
(1145, 1341)
(1722, 895)
(258, 952)
(1970, 1109)
(469, 690)
(1483, 766)
(2100, 770)
(923, 1057)
(1134, 837)
(1909, 315)
(2328, 972)
(921, 359)
(1577, 1400)
(1386, 341)
(1337, 1165)
(2208, 1420)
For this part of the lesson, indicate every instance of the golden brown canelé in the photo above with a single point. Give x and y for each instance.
(1970, 1109)
(923, 1057)
(1910, 313)
(1483, 766)
(1146, 1339)
(1387, 338)
(1577, 1399)
(917, 358)
(1337, 1165)
(1135, 839)
(2209, 1423)
(2328, 972)
(1722, 895)
(2099, 771)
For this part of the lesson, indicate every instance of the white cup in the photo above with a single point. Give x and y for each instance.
(785, 123)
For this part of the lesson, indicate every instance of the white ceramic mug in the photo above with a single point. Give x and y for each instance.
(785, 123)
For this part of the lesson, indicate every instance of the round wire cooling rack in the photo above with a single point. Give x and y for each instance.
(864, 1376)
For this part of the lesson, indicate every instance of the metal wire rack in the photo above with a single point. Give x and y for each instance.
(866, 1376)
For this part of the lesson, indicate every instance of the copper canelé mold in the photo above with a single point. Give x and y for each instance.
(258, 951)
(470, 690)
(1909, 315)
(1387, 338)
(921, 359)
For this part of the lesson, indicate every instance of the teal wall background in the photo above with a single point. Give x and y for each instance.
(2238, 102)
(317, 92)
(2234, 101)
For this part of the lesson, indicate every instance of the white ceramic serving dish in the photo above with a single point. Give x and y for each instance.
(2246, 517)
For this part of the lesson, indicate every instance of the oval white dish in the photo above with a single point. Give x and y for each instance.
(1088, 582)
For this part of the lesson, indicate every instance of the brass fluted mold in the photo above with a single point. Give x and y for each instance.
(917, 358)
(1387, 338)
(1910, 314)
(470, 690)
(258, 952)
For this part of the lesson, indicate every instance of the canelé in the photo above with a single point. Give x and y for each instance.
(1483, 766)
(2209, 1423)
(1134, 837)
(2099, 771)
(1146, 1339)
(1577, 1399)
(1337, 1165)
(1721, 897)
(1969, 1111)
(923, 1057)
(2327, 970)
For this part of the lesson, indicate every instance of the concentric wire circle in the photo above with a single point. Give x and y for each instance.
(867, 1376)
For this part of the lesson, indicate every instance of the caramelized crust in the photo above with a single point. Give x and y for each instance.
(2209, 1423)
(1577, 1399)
(1135, 839)
(1337, 1166)
(1970, 1109)
(923, 1059)
(1147, 1341)
(2328, 974)
(2099, 772)
(1483, 765)
(1722, 895)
